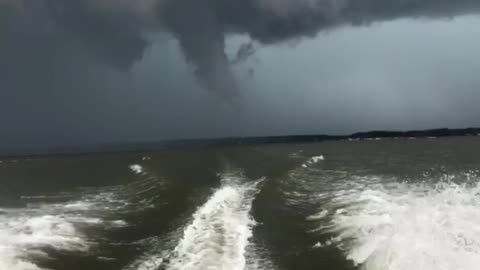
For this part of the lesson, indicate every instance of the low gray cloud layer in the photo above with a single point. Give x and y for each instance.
(66, 66)
(113, 30)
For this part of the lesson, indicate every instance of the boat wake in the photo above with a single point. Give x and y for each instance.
(405, 226)
(218, 237)
(25, 233)
(59, 221)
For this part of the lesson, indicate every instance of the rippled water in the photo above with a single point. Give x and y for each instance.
(373, 205)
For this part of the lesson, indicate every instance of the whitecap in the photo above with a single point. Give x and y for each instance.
(21, 234)
(316, 159)
(136, 168)
(319, 215)
(220, 231)
(416, 227)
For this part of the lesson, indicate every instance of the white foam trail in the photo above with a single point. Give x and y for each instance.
(415, 227)
(9, 261)
(21, 234)
(24, 232)
(219, 234)
(151, 262)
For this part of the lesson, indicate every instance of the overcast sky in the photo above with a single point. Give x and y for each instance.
(392, 72)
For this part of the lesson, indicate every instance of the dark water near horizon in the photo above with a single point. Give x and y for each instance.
(391, 204)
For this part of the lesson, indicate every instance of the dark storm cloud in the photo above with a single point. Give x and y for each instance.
(113, 31)
(201, 26)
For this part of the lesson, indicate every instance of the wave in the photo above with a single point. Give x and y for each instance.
(27, 234)
(22, 234)
(218, 237)
(138, 195)
(400, 226)
(220, 231)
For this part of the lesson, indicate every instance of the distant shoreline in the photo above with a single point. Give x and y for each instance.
(196, 143)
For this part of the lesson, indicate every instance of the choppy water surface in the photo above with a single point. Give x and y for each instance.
(374, 205)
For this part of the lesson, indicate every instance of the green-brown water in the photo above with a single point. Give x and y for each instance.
(389, 204)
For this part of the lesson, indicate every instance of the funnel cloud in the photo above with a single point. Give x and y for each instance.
(94, 72)
(115, 32)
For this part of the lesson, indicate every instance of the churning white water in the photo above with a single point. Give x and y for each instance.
(26, 232)
(219, 234)
(23, 233)
(406, 226)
